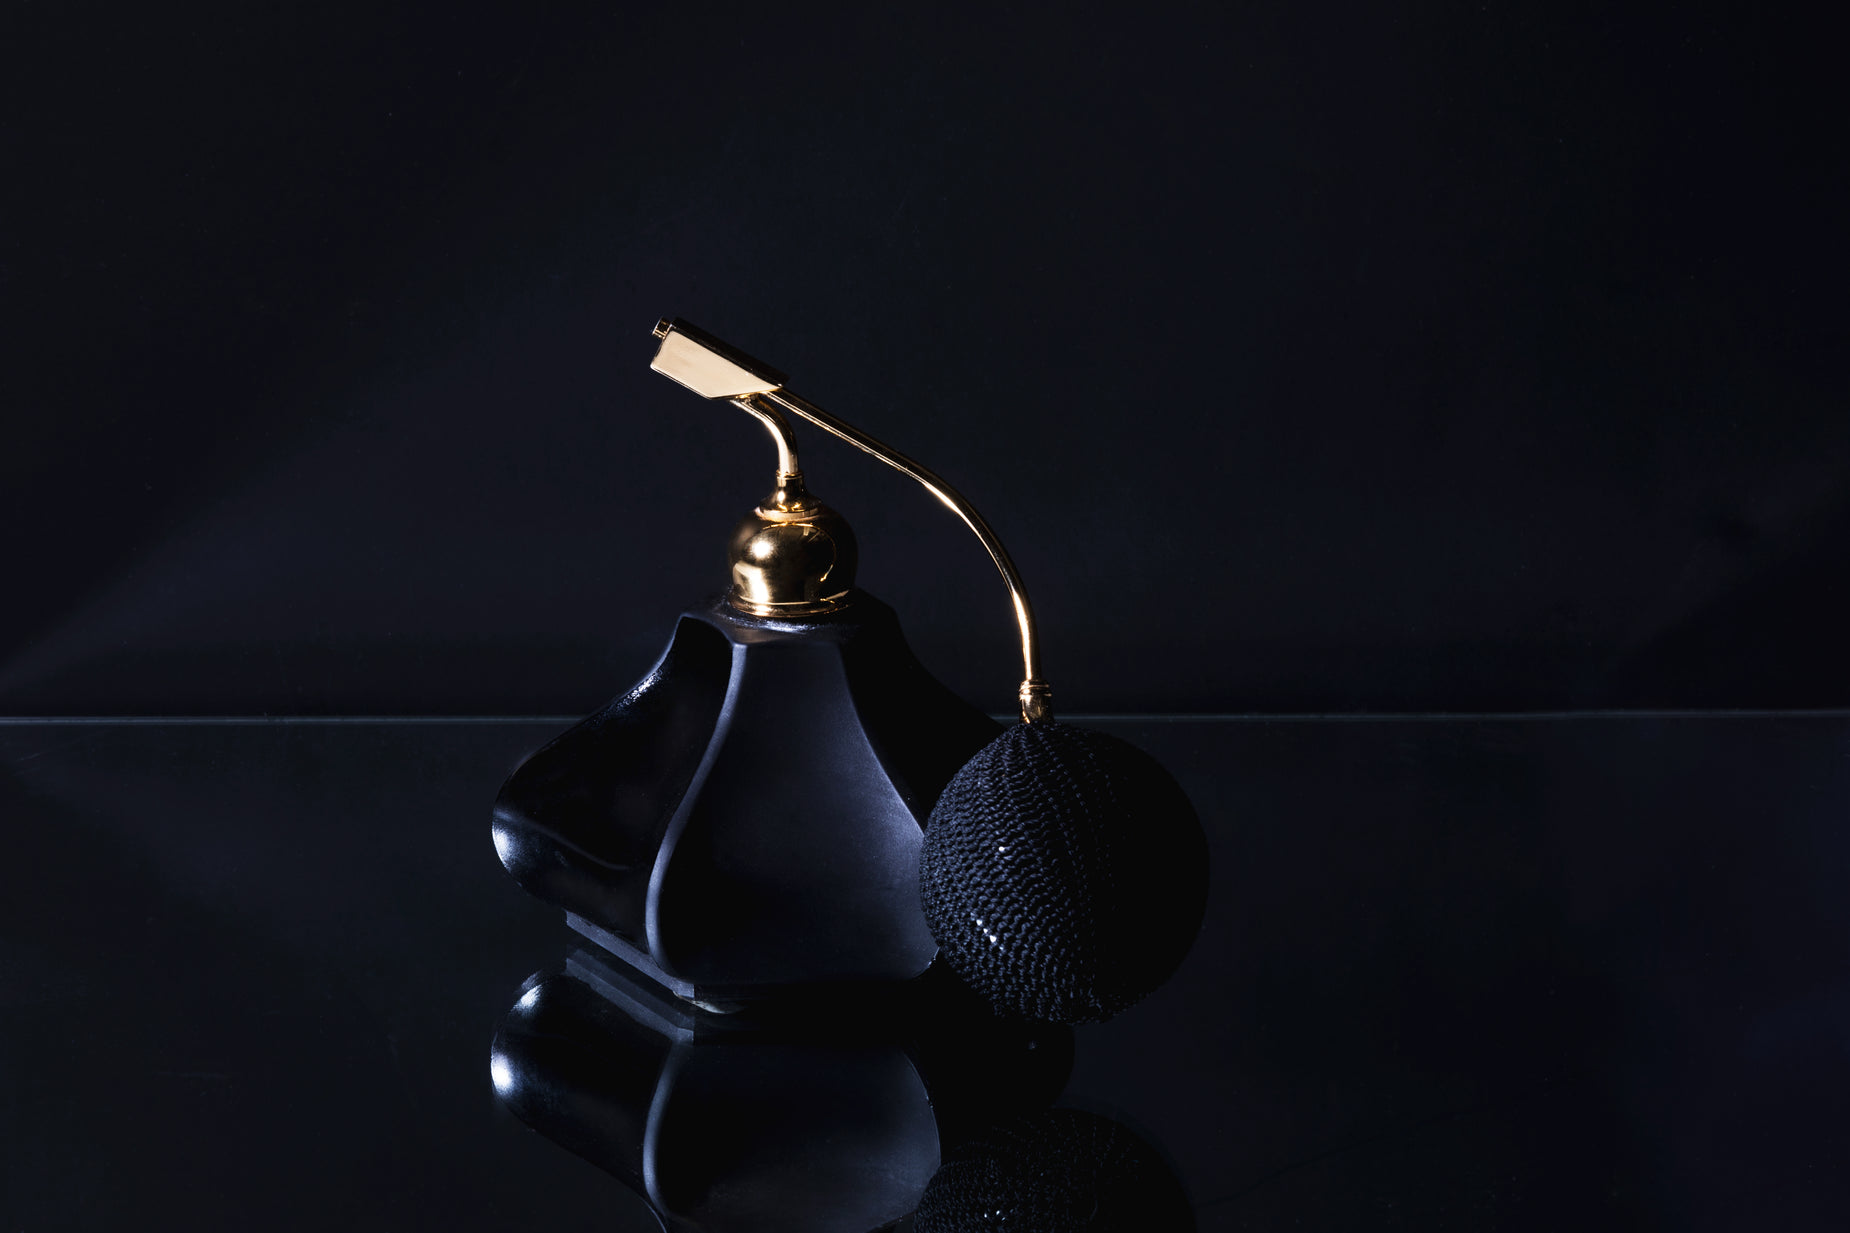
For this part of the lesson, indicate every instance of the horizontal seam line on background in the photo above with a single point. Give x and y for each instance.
(1085, 717)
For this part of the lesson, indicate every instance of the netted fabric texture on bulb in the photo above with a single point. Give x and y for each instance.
(1052, 1172)
(1064, 874)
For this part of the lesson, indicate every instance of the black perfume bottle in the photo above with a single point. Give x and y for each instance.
(789, 800)
(748, 818)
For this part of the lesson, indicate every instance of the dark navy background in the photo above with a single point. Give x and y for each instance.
(1306, 358)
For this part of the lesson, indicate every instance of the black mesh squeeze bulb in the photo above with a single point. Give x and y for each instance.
(1064, 873)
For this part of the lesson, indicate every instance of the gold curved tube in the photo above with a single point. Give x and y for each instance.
(1035, 696)
(787, 465)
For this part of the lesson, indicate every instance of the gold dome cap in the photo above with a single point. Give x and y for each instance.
(792, 556)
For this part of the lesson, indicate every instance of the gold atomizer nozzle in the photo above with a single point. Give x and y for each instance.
(717, 370)
(707, 366)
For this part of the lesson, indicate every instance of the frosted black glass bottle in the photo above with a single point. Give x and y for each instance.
(748, 818)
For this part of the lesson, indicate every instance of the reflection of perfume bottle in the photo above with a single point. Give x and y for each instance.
(828, 1120)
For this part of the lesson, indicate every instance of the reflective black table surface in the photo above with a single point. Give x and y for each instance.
(1517, 973)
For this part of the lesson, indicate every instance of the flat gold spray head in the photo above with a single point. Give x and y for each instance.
(707, 366)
